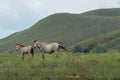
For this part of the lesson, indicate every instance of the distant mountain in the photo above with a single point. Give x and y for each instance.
(68, 29)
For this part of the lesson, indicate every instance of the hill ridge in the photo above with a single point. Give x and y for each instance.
(68, 28)
(104, 12)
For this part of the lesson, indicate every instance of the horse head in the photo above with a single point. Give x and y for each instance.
(36, 44)
(18, 46)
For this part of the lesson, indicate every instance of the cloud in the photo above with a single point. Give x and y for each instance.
(16, 15)
(31, 8)
(5, 32)
(21, 13)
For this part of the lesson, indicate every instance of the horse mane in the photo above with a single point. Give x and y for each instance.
(35, 41)
(20, 44)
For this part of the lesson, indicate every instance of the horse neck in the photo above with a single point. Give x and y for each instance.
(20, 47)
(42, 43)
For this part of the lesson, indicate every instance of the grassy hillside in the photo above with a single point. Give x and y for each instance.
(105, 12)
(66, 28)
(67, 67)
(109, 41)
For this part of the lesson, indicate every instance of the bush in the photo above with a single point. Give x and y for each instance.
(99, 49)
(86, 49)
(77, 48)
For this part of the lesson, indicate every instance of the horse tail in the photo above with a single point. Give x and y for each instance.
(32, 50)
(60, 46)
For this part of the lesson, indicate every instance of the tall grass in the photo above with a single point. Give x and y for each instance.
(69, 66)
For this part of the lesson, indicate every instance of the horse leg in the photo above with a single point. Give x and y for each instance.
(22, 56)
(56, 52)
(32, 52)
(43, 56)
(57, 56)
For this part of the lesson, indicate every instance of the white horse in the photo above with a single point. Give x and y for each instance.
(48, 47)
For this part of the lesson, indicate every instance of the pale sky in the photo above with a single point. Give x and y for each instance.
(17, 15)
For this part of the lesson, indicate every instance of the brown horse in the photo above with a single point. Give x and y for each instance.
(48, 47)
(25, 50)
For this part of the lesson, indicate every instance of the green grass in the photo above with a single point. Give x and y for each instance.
(69, 66)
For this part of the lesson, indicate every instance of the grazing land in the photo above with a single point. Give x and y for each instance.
(69, 66)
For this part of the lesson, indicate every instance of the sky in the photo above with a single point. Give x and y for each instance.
(17, 15)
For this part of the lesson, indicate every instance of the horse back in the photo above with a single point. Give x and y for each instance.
(50, 47)
(53, 45)
(27, 49)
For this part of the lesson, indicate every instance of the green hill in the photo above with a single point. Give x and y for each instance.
(69, 29)
(103, 43)
(105, 12)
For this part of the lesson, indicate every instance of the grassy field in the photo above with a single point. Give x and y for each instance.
(69, 66)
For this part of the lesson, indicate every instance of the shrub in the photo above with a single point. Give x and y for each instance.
(77, 48)
(99, 49)
(82, 49)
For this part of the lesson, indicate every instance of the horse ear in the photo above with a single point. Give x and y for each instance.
(35, 41)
